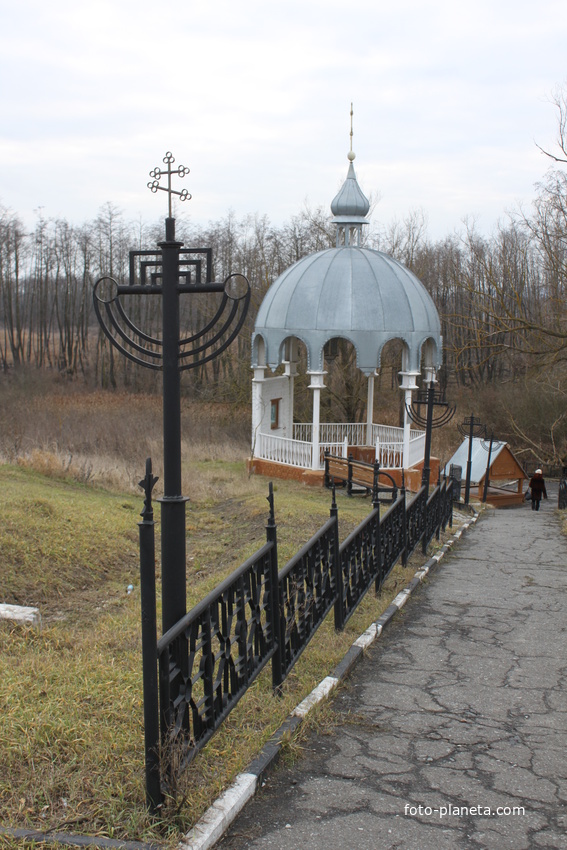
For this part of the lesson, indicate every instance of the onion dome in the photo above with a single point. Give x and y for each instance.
(350, 202)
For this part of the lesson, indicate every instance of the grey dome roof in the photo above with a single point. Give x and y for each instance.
(349, 291)
(357, 293)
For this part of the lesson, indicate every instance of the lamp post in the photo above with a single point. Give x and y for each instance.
(171, 273)
(432, 398)
(475, 429)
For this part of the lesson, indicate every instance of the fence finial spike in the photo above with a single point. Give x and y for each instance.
(147, 484)
(334, 496)
(270, 500)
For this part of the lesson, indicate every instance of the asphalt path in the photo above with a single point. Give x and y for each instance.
(452, 731)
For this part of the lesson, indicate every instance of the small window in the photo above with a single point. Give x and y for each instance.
(275, 413)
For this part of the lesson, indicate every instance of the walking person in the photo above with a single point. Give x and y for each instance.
(537, 487)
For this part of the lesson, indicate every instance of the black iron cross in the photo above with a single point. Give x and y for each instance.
(157, 174)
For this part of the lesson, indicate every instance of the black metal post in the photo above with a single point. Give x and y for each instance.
(486, 477)
(173, 534)
(173, 503)
(337, 569)
(404, 523)
(469, 470)
(149, 644)
(428, 429)
(378, 540)
(476, 429)
(275, 614)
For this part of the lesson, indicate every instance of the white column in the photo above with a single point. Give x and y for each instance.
(291, 372)
(429, 375)
(370, 410)
(317, 384)
(257, 404)
(407, 384)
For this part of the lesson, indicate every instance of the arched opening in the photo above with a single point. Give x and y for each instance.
(345, 396)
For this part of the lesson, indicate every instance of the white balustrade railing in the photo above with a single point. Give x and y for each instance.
(332, 432)
(337, 449)
(392, 434)
(416, 448)
(283, 450)
(336, 438)
(390, 455)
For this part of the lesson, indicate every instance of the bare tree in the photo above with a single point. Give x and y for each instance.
(559, 99)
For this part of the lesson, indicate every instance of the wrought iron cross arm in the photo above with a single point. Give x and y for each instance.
(156, 289)
(157, 173)
(154, 187)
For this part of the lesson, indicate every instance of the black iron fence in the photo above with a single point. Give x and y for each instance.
(230, 637)
(562, 500)
(260, 614)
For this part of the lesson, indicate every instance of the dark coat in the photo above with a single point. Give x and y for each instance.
(537, 486)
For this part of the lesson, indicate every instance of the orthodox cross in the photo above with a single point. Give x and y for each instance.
(157, 174)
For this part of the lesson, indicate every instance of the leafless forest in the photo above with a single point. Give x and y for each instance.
(502, 301)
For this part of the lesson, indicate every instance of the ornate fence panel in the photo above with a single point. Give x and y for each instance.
(230, 636)
(432, 517)
(415, 522)
(448, 494)
(360, 565)
(307, 592)
(392, 536)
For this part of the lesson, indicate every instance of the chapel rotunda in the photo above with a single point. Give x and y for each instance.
(351, 292)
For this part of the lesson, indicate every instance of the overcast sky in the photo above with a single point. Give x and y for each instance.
(254, 97)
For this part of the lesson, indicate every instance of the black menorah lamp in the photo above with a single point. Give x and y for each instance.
(170, 273)
(470, 427)
(431, 399)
